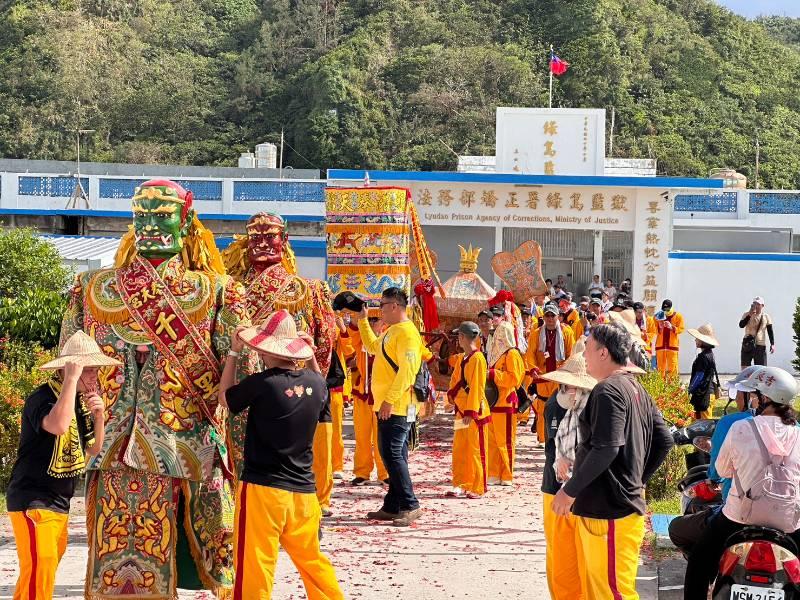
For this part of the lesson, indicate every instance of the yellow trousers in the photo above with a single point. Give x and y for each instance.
(321, 466)
(538, 408)
(337, 444)
(524, 416)
(502, 444)
(366, 455)
(610, 551)
(564, 564)
(667, 361)
(266, 517)
(41, 538)
(708, 413)
(469, 458)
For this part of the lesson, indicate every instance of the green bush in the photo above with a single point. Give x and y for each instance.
(34, 315)
(19, 376)
(29, 262)
(672, 400)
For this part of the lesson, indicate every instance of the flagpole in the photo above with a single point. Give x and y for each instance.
(550, 68)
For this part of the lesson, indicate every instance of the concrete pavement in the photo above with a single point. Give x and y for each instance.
(465, 549)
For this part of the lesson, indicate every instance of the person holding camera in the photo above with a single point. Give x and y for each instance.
(757, 327)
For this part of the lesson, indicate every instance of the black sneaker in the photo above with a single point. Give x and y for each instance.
(359, 481)
(327, 512)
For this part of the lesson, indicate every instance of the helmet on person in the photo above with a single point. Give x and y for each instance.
(735, 385)
(773, 383)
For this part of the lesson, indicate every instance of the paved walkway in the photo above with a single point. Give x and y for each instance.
(479, 549)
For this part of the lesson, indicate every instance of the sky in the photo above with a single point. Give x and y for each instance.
(754, 8)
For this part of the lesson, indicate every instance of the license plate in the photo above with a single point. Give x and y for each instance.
(746, 592)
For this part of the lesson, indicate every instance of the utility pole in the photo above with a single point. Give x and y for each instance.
(611, 141)
(78, 193)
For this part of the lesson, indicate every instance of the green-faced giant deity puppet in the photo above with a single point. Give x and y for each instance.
(159, 498)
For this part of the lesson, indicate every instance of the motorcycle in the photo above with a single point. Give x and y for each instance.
(759, 563)
(698, 493)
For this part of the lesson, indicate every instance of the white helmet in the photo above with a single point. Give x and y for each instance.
(738, 383)
(774, 383)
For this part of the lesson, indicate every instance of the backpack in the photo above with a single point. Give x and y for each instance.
(423, 382)
(774, 499)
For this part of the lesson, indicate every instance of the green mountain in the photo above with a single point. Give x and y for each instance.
(399, 84)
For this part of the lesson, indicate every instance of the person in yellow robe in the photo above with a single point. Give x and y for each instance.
(570, 316)
(366, 456)
(467, 394)
(548, 347)
(670, 327)
(507, 371)
(343, 348)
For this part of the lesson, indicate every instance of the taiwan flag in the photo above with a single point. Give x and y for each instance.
(557, 66)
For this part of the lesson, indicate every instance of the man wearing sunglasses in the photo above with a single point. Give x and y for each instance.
(398, 355)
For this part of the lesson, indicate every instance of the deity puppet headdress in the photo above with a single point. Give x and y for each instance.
(199, 251)
(235, 255)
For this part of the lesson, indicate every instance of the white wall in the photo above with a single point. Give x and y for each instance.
(312, 267)
(719, 290)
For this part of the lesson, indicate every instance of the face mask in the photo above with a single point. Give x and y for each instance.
(566, 398)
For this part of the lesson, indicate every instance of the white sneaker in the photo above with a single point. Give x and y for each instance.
(493, 481)
(338, 475)
(506, 484)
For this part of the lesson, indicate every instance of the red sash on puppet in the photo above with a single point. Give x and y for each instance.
(144, 293)
(267, 287)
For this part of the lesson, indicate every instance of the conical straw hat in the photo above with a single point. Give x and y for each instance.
(627, 318)
(704, 333)
(277, 336)
(573, 373)
(81, 349)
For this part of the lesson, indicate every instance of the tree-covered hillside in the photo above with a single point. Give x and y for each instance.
(392, 83)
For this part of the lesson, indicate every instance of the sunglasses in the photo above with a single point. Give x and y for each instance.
(387, 303)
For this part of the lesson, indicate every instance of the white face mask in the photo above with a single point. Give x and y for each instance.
(566, 399)
(570, 398)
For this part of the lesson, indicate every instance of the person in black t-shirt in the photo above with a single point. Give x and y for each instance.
(623, 441)
(276, 500)
(62, 422)
(561, 414)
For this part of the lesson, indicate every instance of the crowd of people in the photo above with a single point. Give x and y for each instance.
(570, 364)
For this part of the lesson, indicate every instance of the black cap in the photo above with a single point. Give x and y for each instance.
(525, 310)
(485, 313)
(349, 301)
(469, 329)
(584, 298)
(596, 300)
(666, 304)
(497, 310)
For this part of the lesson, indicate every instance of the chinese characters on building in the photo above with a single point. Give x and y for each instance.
(652, 255)
(550, 132)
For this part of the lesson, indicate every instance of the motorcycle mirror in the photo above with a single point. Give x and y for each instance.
(702, 427)
(702, 443)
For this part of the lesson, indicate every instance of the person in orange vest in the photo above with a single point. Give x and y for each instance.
(467, 394)
(646, 324)
(548, 347)
(670, 325)
(507, 371)
(340, 396)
